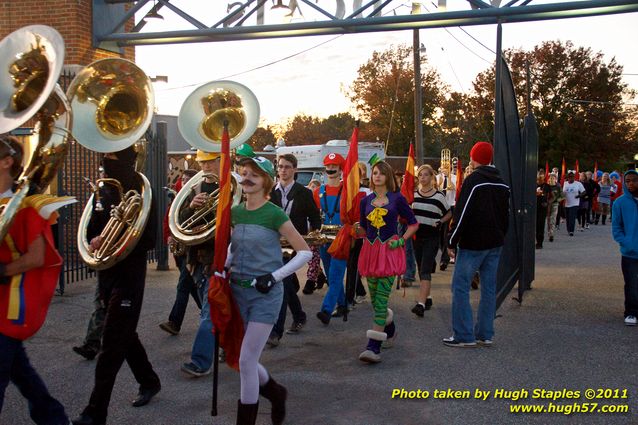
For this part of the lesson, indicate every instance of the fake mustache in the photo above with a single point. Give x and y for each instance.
(246, 182)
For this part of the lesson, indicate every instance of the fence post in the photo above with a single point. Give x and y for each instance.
(161, 163)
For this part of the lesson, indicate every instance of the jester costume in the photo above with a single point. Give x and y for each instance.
(382, 258)
(24, 302)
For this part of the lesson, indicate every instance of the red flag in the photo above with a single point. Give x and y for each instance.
(577, 175)
(224, 313)
(546, 171)
(407, 187)
(562, 173)
(349, 206)
(595, 171)
(459, 178)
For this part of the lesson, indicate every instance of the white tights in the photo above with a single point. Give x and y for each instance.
(252, 374)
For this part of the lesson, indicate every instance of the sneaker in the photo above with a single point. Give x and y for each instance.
(296, 327)
(551, 239)
(273, 341)
(484, 342)
(418, 309)
(360, 299)
(323, 317)
(586, 226)
(195, 371)
(169, 327)
(571, 233)
(582, 229)
(451, 342)
(86, 351)
(370, 356)
(428, 303)
(321, 280)
(340, 311)
(443, 266)
(631, 321)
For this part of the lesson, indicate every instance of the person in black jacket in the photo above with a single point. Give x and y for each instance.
(122, 291)
(479, 226)
(296, 201)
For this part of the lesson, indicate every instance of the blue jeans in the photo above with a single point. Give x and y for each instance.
(15, 367)
(291, 286)
(571, 214)
(630, 273)
(185, 287)
(410, 260)
(467, 263)
(202, 352)
(335, 270)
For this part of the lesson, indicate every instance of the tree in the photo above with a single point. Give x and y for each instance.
(306, 130)
(262, 138)
(577, 99)
(383, 93)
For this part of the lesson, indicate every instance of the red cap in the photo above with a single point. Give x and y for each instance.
(335, 159)
(482, 152)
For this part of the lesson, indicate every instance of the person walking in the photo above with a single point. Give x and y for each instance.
(572, 190)
(542, 198)
(479, 226)
(625, 232)
(604, 198)
(554, 199)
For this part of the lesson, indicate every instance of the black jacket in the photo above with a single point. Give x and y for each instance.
(303, 208)
(481, 215)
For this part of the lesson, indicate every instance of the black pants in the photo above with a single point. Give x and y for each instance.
(541, 218)
(443, 243)
(291, 299)
(123, 293)
(354, 286)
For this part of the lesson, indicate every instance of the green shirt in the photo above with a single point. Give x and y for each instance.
(268, 215)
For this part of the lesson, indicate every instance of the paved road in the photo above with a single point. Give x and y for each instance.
(567, 334)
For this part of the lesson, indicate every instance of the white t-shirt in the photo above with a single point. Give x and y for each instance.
(450, 195)
(571, 191)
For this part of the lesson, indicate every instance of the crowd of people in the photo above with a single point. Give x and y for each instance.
(392, 238)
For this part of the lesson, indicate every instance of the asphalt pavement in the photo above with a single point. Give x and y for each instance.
(568, 334)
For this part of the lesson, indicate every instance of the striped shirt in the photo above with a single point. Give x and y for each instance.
(429, 210)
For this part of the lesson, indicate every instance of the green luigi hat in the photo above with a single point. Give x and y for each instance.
(263, 163)
(245, 150)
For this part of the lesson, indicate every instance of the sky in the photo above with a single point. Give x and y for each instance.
(309, 74)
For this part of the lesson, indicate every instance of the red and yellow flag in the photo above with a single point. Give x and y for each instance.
(577, 175)
(459, 178)
(349, 204)
(563, 170)
(227, 322)
(546, 171)
(407, 187)
(595, 171)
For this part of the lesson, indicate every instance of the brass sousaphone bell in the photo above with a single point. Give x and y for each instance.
(201, 122)
(31, 61)
(112, 102)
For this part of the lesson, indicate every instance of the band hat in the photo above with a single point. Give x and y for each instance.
(206, 156)
(334, 159)
(482, 152)
(263, 163)
(245, 150)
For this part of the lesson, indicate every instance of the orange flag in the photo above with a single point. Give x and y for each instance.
(563, 170)
(349, 206)
(224, 313)
(577, 171)
(407, 187)
(459, 178)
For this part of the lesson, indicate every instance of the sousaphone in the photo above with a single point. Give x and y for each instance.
(31, 61)
(201, 122)
(112, 102)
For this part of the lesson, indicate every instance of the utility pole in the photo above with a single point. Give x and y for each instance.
(418, 101)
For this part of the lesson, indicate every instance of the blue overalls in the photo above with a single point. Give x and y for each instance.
(335, 269)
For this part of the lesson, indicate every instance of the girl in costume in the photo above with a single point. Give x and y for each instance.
(256, 273)
(382, 255)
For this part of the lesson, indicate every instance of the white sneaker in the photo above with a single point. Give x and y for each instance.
(369, 356)
(359, 299)
(631, 321)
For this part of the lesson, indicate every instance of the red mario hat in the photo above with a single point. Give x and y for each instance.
(482, 152)
(335, 159)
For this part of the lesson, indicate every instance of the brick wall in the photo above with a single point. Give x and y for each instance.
(71, 18)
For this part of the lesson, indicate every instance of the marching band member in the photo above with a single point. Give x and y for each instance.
(256, 273)
(382, 256)
(29, 270)
(122, 287)
(447, 185)
(328, 197)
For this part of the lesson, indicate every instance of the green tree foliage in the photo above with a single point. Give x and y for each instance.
(306, 130)
(383, 94)
(262, 137)
(562, 76)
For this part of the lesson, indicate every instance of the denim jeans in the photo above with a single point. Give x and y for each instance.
(202, 352)
(291, 286)
(410, 261)
(15, 367)
(185, 287)
(630, 273)
(467, 263)
(571, 213)
(335, 271)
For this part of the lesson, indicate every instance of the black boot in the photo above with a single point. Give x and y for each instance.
(604, 219)
(246, 413)
(321, 280)
(276, 394)
(309, 287)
